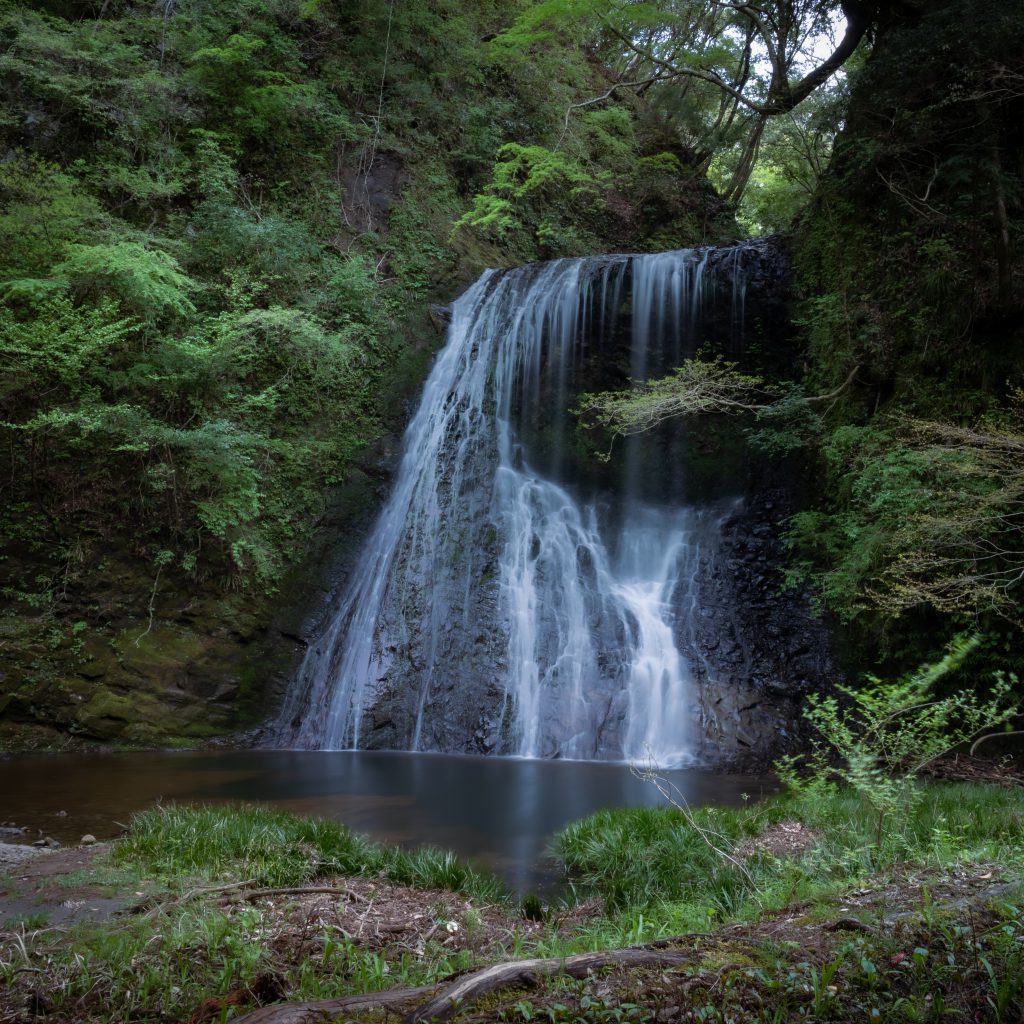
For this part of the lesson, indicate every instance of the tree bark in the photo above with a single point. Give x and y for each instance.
(741, 176)
(525, 972)
(321, 1010)
(1004, 263)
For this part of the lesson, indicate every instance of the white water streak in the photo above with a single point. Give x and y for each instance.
(594, 666)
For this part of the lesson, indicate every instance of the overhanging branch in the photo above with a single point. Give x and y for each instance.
(783, 95)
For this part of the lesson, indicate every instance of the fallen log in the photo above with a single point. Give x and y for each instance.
(321, 1010)
(520, 973)
(468, 988)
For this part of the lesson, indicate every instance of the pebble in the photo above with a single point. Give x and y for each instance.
(87, 840)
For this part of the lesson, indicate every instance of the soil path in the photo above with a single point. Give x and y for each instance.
(53, 887)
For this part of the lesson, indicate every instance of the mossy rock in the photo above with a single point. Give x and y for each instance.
(160, 652)
(107, 713)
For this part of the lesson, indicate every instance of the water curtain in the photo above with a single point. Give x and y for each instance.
(514, 596)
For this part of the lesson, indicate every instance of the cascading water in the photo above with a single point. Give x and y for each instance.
(515, 596)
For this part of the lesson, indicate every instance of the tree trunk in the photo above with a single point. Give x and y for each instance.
(741, 176)
(1004, 262)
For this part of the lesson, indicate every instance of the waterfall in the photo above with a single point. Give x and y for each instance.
(516, 595)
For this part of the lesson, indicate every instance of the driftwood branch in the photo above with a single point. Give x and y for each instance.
(322, 1010)
(525, 973)
(232, 890)
(304, 890)
(192, 894)
(992, 736)
(465, 990)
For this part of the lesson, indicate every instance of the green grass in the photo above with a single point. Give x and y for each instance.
(660, 878)
(655, 870)
(658, 873)
(157, 968)
(278, 849)
(154, 972)
(956, 970)
(26, 922)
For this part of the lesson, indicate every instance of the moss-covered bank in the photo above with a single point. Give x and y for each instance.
(222, 228)
(909, 272)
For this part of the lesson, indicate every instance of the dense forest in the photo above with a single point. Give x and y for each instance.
(224, 227)
(373, 372)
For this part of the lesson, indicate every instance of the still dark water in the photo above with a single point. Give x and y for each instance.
(497, 812)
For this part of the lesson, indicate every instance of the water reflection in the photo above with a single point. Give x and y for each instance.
(499, 812)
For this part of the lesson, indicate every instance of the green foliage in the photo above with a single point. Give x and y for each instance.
(697, 387)
(42, 209)
(546, 21)
(61, 345)
(788, 424)
(146, 282)
(213, 224)
(793, 155)
(584, 1007)
(887, 486)
(184, 352)
(598, 178)
(922, 514)
(538, 191)
(277, 849)
(660, 860)
(886, 732)
(904, 271)
(236, 418)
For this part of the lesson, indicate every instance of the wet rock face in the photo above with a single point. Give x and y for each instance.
(438, 666)
(370, 192)
(761, 649)
(443, 663)
(179, 685)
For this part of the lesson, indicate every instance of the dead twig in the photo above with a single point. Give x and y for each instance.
(303, 890)
(993, 736)
(195, 893)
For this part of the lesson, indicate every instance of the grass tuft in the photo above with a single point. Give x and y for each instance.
(645, 858)
(279, 849)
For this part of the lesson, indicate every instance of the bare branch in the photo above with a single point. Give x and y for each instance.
(836, 392)
(607, 95)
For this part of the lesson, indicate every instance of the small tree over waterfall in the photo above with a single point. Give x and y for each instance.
(934, 521)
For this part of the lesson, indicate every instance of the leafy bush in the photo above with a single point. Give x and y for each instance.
(879, 741)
